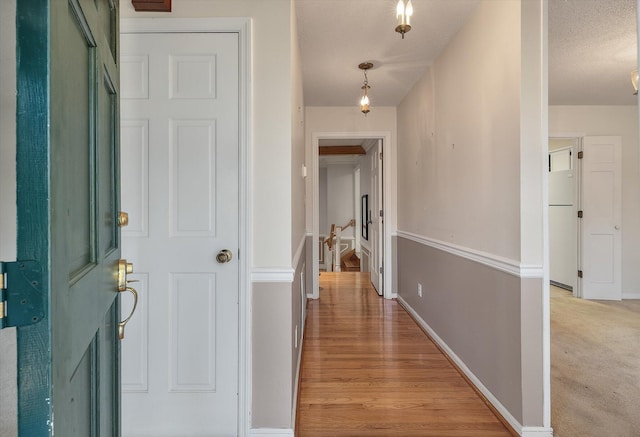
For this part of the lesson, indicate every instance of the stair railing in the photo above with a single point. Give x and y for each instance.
(333, 241)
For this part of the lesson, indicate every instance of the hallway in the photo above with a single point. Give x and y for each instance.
(368, 369)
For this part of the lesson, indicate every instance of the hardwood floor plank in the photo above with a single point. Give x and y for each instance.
(368, 369)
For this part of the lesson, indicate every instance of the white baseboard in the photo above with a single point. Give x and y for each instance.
(631, 295)
(272, 432)
(535, 431)
(517, 426)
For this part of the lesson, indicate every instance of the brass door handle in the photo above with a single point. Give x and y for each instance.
(122, 324)
(224, 256)
(124, 268)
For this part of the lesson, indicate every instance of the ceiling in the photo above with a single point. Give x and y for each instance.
(592, 48)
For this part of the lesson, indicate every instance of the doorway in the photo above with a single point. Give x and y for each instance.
(563, 219)
(585, 209)
(365, 207)
(185, 158)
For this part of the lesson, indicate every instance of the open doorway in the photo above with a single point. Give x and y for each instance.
(563, 217)
(350, 207)
(362, 220)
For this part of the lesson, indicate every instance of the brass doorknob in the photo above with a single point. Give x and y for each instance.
(224, 256)
(123, 219)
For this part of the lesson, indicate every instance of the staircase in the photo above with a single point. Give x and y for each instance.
(349, 262)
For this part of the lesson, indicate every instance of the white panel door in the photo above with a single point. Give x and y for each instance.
(601, 224)
(180, 188)
(377, 219)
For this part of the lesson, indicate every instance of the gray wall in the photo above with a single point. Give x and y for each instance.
(473, 308)
(277, 316)
(8, 402)
(272, 350)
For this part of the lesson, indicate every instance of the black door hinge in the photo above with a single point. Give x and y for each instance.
(21, 295)
(579, 273)
(580, 214)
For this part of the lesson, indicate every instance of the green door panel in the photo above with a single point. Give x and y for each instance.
(68, 201)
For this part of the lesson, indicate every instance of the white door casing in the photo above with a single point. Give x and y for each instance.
(376, 219)
(601, 204)
(389, 186)
(180, 158)
(563, 252)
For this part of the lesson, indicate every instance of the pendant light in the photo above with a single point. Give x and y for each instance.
(404, 13)
(364, 101)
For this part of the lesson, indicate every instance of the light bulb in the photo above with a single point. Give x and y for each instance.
(408, 12)
(400, 11)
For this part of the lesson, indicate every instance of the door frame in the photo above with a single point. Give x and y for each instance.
(577, 169)
(243, 27)
(390, 203)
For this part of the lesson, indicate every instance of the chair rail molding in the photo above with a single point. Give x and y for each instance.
(497, 262)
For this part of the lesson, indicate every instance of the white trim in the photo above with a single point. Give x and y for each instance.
(191, 25)
(536, 431)
(272, 432)
(506, 265)
(296, 256)
(275, 274)
(468, 373)
(390, 201)
(243, 27)
(630, 296)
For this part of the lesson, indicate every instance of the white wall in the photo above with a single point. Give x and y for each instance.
(613, 120)
(297, 142)
(365, 188)
(325, 226)
(340, 206)
(457, 172)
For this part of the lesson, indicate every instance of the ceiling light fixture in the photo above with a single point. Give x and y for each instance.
(404, 13)
(634, 81)
(364, 101)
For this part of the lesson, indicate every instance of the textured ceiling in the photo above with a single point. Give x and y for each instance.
(592, 48)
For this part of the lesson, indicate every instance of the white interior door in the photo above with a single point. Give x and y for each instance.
(601, 223)
(376, 219)
(180, 187)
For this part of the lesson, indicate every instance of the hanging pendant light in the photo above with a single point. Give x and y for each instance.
(364, 101)
(404, 13)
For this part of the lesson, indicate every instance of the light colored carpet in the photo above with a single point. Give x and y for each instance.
(595, 367)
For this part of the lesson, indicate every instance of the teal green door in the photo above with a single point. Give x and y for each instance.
(68, 197)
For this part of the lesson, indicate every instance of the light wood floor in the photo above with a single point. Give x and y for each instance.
(369, 370)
